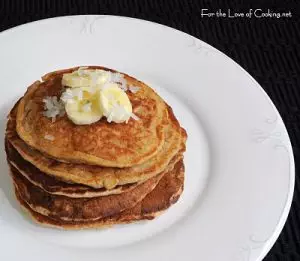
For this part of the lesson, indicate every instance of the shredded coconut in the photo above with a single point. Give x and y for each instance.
(67, 95)
(53, 107)
(135, 117)
(123, 85)
(110, 116)
(134, 89)
(118, 78)
(49, 137)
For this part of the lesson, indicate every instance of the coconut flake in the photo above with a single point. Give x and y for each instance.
(123, 85)
(135, 117)
(49, 137)
(116, 77)
(53, 107)
(67, 95)
(110, 116)
(134, 89)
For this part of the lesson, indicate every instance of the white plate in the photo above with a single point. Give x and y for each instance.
(239, 160)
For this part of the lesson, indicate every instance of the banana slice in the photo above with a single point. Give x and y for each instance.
(115, 104)
(84, 108)
(83, 77)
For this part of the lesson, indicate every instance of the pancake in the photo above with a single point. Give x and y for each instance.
(96, 176)
(166, 193)
(78, 209)
(55, 186)
(101, 143)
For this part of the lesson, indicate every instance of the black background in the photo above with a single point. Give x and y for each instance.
(268, 48)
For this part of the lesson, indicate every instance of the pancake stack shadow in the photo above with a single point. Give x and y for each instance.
(120, 173)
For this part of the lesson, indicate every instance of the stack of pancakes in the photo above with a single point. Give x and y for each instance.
(82, 176)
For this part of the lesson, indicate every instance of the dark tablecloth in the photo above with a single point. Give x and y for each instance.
(267, 47)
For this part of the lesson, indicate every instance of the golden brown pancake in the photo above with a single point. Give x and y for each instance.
(78, 209)
(101, 143)
(96, 176)
(162, 197)
(55, 186)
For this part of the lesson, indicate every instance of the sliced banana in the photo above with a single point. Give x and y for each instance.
(115, 104)
(81, 78)
(83, 110)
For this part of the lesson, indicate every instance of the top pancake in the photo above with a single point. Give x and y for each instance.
(98, 176)
(101, 143)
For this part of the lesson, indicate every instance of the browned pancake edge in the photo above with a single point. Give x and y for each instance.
(166, 193)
